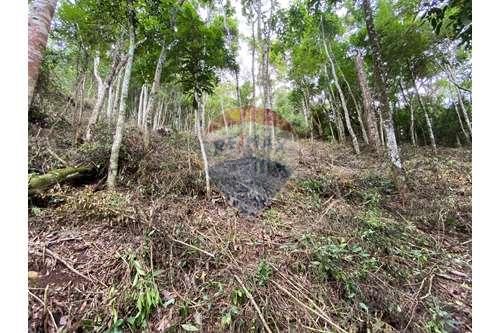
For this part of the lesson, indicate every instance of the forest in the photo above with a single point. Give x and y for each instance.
(250, 166)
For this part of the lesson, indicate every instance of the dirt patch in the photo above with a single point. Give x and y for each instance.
(249, 183)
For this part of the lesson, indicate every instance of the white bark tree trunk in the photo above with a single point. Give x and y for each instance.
(358, 110)
(120, 124)
(199, 133)
(426, 116)
(154, 93)
(380, 82)
(39, 20)
(466, 134)
(371, 120)
(341, 94)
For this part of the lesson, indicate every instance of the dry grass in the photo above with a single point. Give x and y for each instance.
(337, 250)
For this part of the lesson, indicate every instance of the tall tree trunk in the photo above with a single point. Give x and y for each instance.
(371, 120)
(39, 20)
(466, 134)
(426, 116)
(464, 111)
(341, 94)
(154, 93)
(412, 113)
(380, 82)
(358, 109)
(120, 123)
(330, 120)
(453, 79)
(338, 116)
(116, 99)
(102, 89)
(109, 107)
(79, 104)
(140, 106)
(200, 109)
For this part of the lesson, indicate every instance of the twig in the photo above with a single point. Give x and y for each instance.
(57, 157)
(430, 288)
(194, 247)
(314, 329)
(45, 307)
(254, 304)
(310, 309)
(55, 256)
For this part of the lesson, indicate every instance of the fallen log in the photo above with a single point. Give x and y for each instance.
(38, 183)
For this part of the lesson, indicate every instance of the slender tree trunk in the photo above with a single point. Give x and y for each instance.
(102, 89)
(330, 120)
(412, 116)
(224, 118)
(379, 75)
(144, 107)
(466, 134)
(109, 107)
(426, 116)
(199, 133)
(39, 20)
(341, 94)
(116, 98)
(453, 79)
(338, 116)
(464, 111)
(358, 109)
(79, 104)
(140, 106)
(120, 124)
(154, 93)
(371, 120)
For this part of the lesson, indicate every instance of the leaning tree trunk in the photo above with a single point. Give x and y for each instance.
(154, 93)
(371, 119)
(39, 19)
(464, 111)
(120, 123)
(102, 89)
(380, 82)
(358, 109)
(342, 97)
(426, 116)
(466, 134)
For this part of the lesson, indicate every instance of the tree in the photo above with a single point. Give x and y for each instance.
(39, 20)
(120, 124)
(371, 120)
(379, 76)
(200, 51)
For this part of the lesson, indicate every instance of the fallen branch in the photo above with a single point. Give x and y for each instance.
(194, 247)
(249, 295)
(71, 268)
(328, 320)
(37, 183)
(44, 306)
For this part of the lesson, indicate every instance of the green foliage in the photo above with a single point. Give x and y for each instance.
(441, 321)
(340, 261)
(229, 316)
(199, 51)
(238, 297)
(264, 272)
(145, 292)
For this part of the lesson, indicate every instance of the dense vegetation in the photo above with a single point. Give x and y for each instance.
(129, 231)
